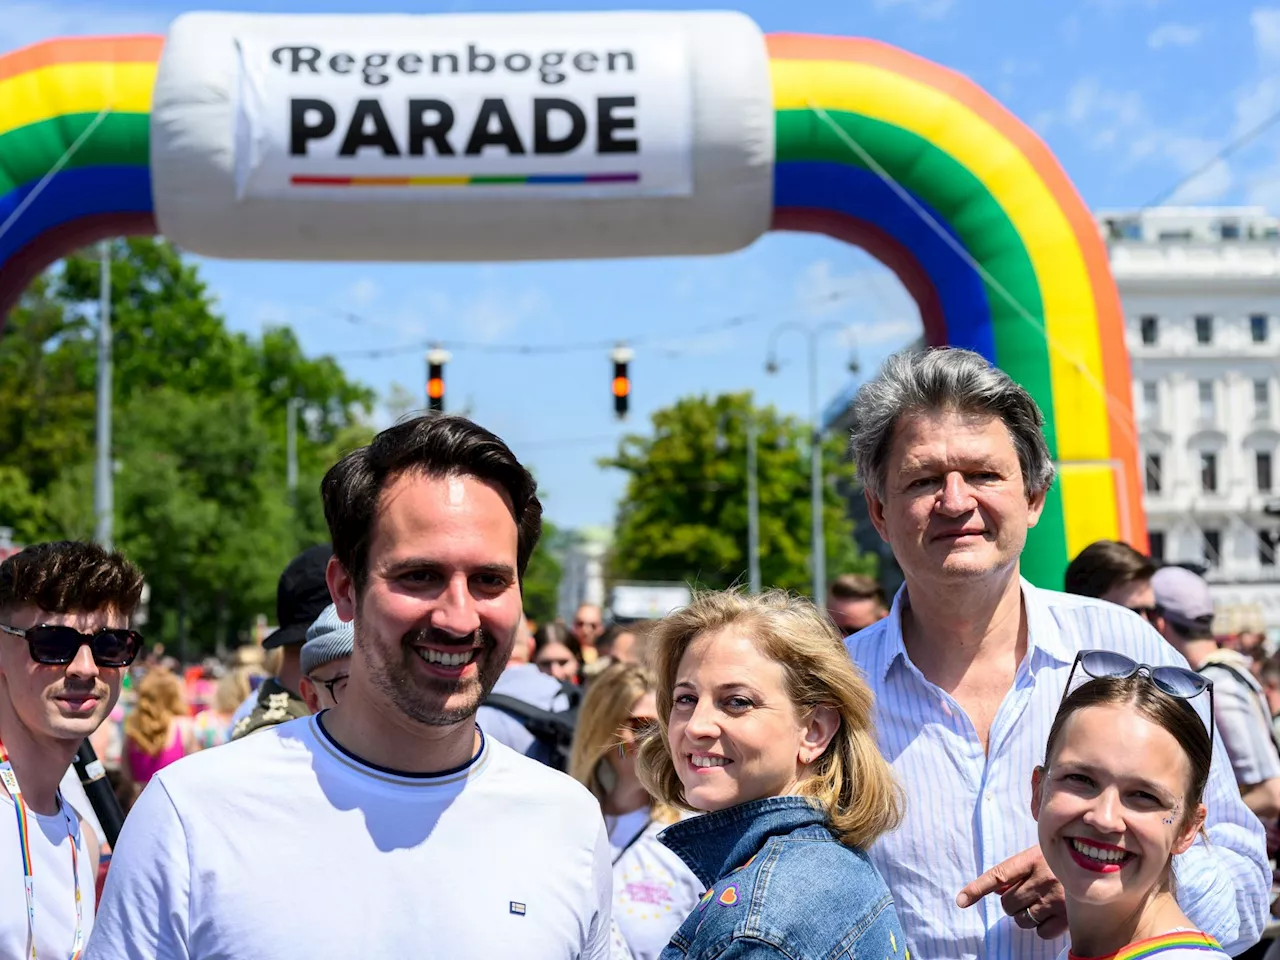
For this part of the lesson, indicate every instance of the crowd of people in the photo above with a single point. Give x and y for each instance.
(977, 767)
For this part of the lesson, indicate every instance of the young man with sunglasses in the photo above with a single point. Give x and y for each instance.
(969, 667)
(64, 644)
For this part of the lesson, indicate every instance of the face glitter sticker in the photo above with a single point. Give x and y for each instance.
(729, 896)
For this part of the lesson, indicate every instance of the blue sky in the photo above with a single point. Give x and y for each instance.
(1131, 95)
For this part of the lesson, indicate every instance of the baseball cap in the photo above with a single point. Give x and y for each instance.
(1184, 600)
(301, 596)
(328, 639)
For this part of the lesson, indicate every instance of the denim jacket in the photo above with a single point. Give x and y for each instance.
(781, 886)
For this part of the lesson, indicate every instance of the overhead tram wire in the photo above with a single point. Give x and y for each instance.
(582, 346)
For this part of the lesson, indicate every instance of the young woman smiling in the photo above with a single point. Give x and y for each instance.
(1117, 799)
(765, 726)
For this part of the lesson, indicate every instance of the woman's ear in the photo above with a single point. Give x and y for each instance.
(1037, 781)
(821, 726)
(1191, 826)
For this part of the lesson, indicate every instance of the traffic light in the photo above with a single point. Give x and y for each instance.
(621, 357)
(436, 359)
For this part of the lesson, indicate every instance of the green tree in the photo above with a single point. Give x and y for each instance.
(542, 579)
(684, 514)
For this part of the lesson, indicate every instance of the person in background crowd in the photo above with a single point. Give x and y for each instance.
(212, 726)
(522, 681)
(326, 660)
(1240, 704)
(391, 806)
(764, 725)
(1117, 798)
(653, 891)
(556, 652)
(301, 596)
(855, 602)
(157, 731)
(970, 664)
(1115, 572)
(620, 643)
(64, 647)
(588, 624)
(1269, 678)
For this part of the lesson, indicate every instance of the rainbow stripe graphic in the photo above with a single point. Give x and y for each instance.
(1184, 940)
(1046, 311)
(90, 91)
(874, 146)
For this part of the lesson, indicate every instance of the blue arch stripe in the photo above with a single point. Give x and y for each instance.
(72, 194)
(861, 195)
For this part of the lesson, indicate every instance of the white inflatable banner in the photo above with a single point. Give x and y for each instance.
(543, 112)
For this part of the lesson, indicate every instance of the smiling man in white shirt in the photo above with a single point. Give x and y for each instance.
(400, 827)
(970, 665)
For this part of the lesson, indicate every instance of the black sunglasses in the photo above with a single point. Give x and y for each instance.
(1177, 682)
(1149, 614)
(56, 645)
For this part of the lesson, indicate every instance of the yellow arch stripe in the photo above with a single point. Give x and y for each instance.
(1069, 314)
(61, 89)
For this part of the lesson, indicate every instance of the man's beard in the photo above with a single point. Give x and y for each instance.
(424, 700)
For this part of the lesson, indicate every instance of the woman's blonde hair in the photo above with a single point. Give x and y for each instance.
(232, 690)
(159, 701)
(605, 708)
(851, 781)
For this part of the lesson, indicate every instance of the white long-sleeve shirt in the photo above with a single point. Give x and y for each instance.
(969, 809)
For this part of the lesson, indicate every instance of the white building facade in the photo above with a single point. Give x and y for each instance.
(1200, 289)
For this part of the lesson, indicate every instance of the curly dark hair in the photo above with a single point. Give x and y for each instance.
(69, 576)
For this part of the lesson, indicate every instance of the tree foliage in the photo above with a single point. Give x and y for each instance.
(684, 514)
(198, 426)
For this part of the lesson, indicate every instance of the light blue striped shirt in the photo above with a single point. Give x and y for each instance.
(968, 810)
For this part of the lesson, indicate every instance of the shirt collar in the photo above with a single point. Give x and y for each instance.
(1042, 629)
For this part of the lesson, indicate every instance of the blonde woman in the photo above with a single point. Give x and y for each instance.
(765, 726)
(212, 727)
(653, 891)
(158, 730)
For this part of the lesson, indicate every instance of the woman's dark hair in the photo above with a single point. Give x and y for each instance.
(1104, 565)
(69, 576)
(435, 447)
(1173, 714)
(556, 632)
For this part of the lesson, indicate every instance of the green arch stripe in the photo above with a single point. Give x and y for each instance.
(982, 226)
(30, 152)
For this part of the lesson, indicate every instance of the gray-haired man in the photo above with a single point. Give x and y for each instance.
(970, 665)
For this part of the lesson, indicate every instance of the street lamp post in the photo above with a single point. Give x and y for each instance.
(817, 545)
(103, 492)
(753, 493)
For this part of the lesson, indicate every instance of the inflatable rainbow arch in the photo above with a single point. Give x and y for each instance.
(873, 145)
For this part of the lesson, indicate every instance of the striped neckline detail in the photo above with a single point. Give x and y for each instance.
(1181, 940)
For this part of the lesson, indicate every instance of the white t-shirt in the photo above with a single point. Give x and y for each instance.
(282, 845)
(653, 890)
(54, 883)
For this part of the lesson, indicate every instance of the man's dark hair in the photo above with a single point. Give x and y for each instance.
(856, 586)
(1104, 565)
(69, 576)
(431, 446)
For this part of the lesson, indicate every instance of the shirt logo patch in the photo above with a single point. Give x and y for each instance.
(518, 908)
(730, 895)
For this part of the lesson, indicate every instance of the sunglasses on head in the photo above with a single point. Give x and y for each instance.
(1178, 682)
(56, 645)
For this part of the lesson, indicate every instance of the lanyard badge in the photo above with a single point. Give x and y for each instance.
(10, 781)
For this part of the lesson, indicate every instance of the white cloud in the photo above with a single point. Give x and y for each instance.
(1174, 35)
(922, 9)
(892, 330)
(26, 22)
(1266, 33)
(364, 291)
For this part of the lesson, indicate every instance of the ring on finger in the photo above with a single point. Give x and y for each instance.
(1030, 917)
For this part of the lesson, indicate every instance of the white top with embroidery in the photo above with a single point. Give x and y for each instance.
(653, 890)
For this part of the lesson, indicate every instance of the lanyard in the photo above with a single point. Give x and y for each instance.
(24, 848)
(632, 842)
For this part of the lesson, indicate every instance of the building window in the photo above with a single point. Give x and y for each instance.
(1154, 472)
(1155, 539)
(1268, 544)
(1258, 324)
(1150, 330)
(1209, 472)
(1150, 399)
(1262, 469)
(1229, 230)
(1212, 547)
(1205, 392)
(1204, 328)
(1261, 399)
